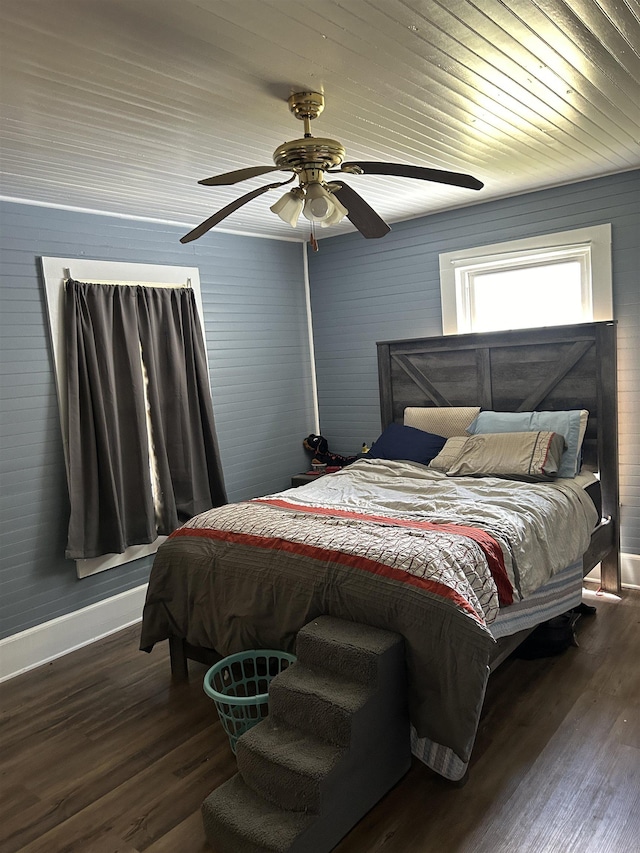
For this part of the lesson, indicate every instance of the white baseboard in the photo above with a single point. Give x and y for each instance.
(629, 571)
(43, 643)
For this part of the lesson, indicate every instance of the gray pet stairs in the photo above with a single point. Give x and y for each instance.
(335, 741)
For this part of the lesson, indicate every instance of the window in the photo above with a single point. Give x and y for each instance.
(553, 279)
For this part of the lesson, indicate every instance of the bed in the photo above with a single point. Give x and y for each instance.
(461, 562)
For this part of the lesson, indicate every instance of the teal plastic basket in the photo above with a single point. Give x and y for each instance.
(239, 686)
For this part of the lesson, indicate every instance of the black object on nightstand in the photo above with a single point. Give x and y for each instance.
(303, 479)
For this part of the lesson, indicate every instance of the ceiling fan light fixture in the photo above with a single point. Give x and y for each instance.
(322, 206)
(317, 205)
(289, 207)
(339, 213)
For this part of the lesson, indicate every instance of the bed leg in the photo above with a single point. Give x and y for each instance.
(610, 573)
(178, 657)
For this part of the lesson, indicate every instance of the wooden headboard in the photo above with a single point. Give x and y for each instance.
(549, 369)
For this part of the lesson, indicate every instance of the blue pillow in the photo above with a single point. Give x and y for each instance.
(403, 442)
(566, 424)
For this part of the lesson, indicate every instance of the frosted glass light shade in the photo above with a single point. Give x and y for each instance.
(288, 207)
(322, 206)
(339, 213)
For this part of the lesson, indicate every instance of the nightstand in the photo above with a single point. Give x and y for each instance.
(302, 479)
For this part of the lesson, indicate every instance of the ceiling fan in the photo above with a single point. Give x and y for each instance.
(320, 201)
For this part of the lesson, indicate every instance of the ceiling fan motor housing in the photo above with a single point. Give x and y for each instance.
(313, 152)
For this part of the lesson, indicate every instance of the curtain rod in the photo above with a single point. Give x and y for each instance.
(67, 275)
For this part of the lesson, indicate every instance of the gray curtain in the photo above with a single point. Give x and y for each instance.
(107, 327)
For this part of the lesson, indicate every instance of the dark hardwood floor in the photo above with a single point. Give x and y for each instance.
(102, 754)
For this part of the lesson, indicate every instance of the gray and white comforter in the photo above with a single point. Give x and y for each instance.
(390, 544)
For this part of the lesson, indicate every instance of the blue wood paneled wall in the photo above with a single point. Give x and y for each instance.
(257, 340)
(363, 291)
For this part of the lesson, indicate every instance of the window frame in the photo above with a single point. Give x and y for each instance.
(591, 244)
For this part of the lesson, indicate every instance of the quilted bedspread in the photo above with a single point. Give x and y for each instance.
(389, 544)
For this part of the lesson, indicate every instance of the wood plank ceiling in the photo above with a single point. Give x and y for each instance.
(122, 105)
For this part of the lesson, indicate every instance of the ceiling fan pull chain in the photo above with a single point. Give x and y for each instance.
(312, 238)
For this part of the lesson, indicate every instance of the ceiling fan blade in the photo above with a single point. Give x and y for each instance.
(401, 170)
(229, 178)
(222, 214)
(363, 216)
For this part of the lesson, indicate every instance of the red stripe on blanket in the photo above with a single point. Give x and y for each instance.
(324, 554)
(490, 547)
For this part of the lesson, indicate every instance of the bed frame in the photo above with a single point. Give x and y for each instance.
(553, 368)
(549, 369)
